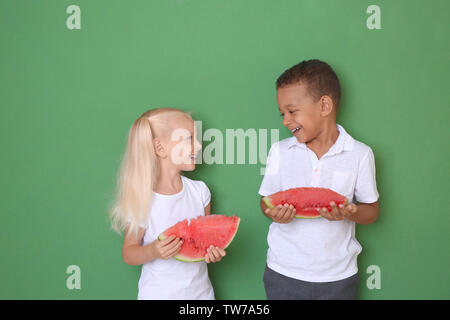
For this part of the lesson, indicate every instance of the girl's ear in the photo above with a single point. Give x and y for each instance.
(159, 149)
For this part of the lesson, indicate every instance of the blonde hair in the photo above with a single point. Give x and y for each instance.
(139, 170)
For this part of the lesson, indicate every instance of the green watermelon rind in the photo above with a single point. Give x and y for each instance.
(182, 258)
(299, 216)
(268, 202)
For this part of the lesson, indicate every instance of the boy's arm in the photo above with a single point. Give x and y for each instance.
(208, 209)
(366, 213)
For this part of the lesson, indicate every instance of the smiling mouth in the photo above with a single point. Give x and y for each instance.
(296, 129)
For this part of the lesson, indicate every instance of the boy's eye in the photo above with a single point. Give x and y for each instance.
(290, 112)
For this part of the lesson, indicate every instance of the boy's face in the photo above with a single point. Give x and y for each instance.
(301, 114)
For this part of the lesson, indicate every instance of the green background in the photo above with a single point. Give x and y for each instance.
(68, 98)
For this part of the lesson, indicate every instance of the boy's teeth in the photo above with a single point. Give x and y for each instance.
(295, 129)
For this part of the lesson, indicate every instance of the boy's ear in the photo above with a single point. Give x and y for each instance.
(326, 105)
(159, 149)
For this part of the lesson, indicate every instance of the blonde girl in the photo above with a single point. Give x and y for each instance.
(152, 195)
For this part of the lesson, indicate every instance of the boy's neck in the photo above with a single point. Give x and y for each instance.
(326, 138)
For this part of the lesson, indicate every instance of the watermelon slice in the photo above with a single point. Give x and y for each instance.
(200, 233)
(306, 200)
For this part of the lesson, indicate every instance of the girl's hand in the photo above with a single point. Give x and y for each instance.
(167, 248)
(281, 214)
(339, 213)
(214, 254)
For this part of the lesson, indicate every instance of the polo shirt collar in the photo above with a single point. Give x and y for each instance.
(344, 142)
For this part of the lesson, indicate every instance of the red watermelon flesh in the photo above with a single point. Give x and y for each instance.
(200, 233)
(305, 200)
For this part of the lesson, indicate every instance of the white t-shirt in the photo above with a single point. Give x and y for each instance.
(172, 279)
(318, 250)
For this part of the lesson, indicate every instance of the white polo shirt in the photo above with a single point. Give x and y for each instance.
(318, 250)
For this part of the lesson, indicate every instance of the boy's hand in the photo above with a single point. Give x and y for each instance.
(281, 214)
(342, 212)
(214, 254)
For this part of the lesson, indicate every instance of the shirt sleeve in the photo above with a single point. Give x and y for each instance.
(271, 182)
(366, 185)
(205, 194)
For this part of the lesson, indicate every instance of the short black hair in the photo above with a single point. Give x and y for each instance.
(318, 76)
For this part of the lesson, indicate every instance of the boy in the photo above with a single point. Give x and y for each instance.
(316, 258)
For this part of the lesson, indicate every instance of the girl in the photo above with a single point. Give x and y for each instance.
(152, 195)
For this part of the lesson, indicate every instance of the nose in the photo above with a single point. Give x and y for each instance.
(286, 119)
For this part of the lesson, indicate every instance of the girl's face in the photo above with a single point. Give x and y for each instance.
(181, 145)
(301, 114)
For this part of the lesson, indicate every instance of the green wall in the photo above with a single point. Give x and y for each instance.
(68, 98)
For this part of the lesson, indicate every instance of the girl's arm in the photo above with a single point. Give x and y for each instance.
(134, 253)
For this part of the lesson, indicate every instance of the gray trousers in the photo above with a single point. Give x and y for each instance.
(280, 287)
